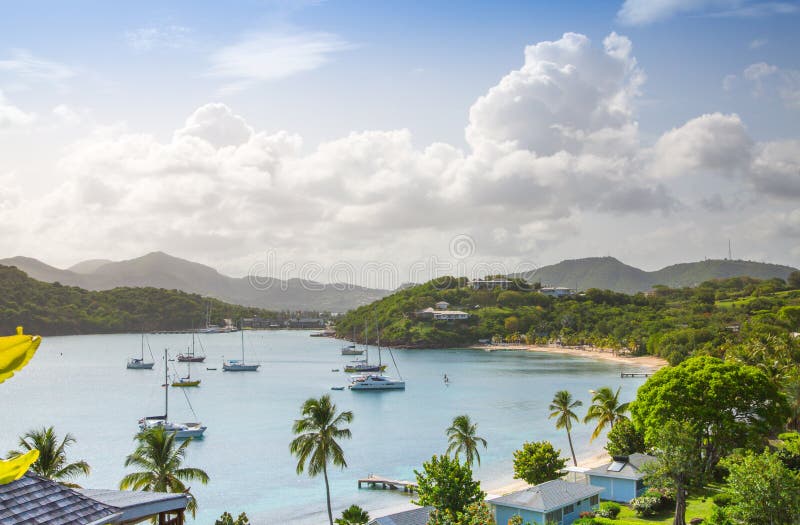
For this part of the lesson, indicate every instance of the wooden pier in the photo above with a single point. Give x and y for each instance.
(634, 374)
(373, 481)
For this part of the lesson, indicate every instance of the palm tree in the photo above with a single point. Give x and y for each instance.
(606, 409)
(561, 407)
(52, 463)
(353, 515)
(316, 443)
(461, 438)
(160, 459)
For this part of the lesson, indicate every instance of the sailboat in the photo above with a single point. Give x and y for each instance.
(190, 356)
(187, 381)
(138, 363)
(239, 365)
(377, 381)
(181, 430)
(351, 349)
(363, 365)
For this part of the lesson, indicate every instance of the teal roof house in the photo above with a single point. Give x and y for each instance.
(622, 479)
(555, 501)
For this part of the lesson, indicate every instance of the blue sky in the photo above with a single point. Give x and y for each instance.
(97, 93)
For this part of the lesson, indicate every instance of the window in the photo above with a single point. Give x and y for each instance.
(594, 500)
(569, 509)
(554, 516)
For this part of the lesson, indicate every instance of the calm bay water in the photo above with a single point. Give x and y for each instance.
(80, 385)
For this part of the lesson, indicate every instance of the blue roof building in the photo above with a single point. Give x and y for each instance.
(622, 479)
(555, 501)
(418, 516)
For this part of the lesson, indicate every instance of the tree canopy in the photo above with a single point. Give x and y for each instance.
(447, 485)
(537, 462)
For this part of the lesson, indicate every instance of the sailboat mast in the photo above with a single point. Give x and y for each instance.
(378, 332)
(242, 331)
(166, 388)
(142, 345)
(366, 343)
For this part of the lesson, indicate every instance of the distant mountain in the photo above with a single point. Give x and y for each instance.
(160, 270)
(609, 273)
(89, 266)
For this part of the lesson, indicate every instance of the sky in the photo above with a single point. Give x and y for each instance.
(351, 140)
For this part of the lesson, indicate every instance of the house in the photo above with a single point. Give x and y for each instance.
(490, 284)
(34, 500)
(418, 516)
(622, 479)
(555, 501)
(442, 305)
(442, 315)
(557, 291)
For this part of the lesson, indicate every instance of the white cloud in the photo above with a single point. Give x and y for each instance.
(770, 78)
(728, 82)
(23, 64)
(13, 117)
(260, 57)
(757, 43)
(555, 141)
(712, 143)
(154, 37)
(642, 12)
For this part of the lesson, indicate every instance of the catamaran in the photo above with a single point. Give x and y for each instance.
(181, 430)
(190, 356)
(138, 363)
(239, 365)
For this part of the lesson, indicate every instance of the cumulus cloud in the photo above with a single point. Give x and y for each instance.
(265, 56)
(642, 12)
(554, 141)
(769, 78)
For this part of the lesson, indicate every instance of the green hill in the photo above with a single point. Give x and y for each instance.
(54, 309)
(607, 273)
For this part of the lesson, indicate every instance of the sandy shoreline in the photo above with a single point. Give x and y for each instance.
(496, 488)
(646, 361)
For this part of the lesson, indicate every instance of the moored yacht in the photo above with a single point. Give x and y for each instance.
(376, 382)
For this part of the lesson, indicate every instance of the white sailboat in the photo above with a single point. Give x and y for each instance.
(138, 363)
(377, 381)
(239, 365)
(190, 356)
(181, 430)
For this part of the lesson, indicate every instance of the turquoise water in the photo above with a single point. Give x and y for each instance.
(80, 385)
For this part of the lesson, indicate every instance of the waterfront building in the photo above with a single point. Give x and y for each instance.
(555, 501)
(622, 479)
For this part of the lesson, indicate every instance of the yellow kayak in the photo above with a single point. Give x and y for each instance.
(16, 351)
(14, 468)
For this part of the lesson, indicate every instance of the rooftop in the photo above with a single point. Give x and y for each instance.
(548, 496)
(38, 501)
(418, 516)
(625, 467)
(135, 505)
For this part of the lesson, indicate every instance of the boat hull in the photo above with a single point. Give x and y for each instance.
(195, 382)
(181, 430)
(352, 352)
(359, 369)
(190, 359)
(139, 366)
(240, 368)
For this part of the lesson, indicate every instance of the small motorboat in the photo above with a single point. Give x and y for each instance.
(337, 388)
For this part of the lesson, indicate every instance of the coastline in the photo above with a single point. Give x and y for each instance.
(605, 354)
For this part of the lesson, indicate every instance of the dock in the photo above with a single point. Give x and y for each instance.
(634, 374)
(373, 481)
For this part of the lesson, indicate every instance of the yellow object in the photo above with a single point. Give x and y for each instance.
(14, 468)
(184, 382)
(16, 351)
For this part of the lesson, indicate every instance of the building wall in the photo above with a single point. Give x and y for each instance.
(503, 513)
(621, 490)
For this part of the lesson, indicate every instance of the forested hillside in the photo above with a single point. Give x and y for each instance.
(54, 309)
(671, 323)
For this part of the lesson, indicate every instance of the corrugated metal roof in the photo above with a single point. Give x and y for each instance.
(410, 517)
(37, 501)
(135, 505)
(548, 496)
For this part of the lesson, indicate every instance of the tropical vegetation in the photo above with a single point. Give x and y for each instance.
(159, 459)
(52, 462)
(447, 485)
(537, 462)
(606, 409)
(316, 443)
(353, 515)
(462, 438)
(561, 408)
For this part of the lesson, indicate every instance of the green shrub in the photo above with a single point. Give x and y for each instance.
(609, 509)
(646, 505)
(722, 499)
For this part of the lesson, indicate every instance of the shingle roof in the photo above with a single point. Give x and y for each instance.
(631, 470)
(135, 505)
(410, 517)
(548, 496)
(37, 501)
